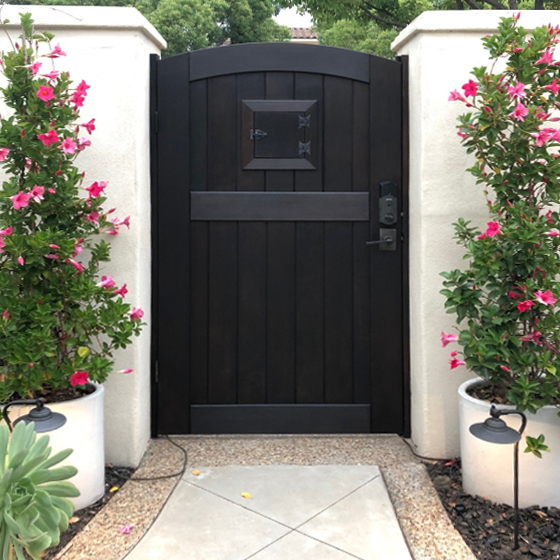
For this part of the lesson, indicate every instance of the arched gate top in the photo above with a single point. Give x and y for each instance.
(278, 57)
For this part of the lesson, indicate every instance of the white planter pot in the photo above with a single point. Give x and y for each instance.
(488, 467)
(83, 432)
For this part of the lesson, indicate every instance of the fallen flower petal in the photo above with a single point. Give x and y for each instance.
(126, 529)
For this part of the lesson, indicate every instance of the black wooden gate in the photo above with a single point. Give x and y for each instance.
(273, 167)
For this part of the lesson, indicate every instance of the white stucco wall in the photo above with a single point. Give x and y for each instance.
(443, 47)
(110, 47)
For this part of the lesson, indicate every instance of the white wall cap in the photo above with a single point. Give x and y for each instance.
(480, 21)
(52, 18)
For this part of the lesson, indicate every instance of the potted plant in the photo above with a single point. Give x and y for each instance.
(61, 320)
(506, 299)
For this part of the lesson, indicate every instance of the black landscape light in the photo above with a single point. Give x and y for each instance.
(45, 419)
(495, 430)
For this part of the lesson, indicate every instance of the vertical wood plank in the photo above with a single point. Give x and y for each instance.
(222, 244)
(361, 303)
(252, 273)
(386, 267)
(310, 266)
(281, 274)
(173, 270)
(338, 121)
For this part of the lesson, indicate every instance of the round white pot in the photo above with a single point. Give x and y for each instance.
(488, 467)
(83, 432)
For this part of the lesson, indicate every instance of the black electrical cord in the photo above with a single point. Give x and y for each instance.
(163, 477)
(421, 456)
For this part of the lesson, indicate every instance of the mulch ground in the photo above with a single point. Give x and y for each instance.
(115, 477)
(488, 527)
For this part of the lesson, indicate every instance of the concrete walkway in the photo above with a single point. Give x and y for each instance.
(280, 512)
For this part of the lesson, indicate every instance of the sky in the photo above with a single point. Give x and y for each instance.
(290, 18)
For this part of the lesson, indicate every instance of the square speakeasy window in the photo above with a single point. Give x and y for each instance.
(279, 134)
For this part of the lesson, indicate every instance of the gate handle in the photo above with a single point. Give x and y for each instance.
(387, 239)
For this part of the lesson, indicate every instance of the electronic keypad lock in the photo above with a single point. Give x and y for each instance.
(388, 203)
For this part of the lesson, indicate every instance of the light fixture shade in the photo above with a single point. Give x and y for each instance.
(45, 419)
(495, 430)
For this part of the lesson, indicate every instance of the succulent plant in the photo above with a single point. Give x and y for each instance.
(34, 504)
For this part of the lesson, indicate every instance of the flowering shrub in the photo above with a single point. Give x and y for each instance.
(506, 299)
(59, 321)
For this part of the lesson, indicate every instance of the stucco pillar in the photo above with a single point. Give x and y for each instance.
(443, 47)
(110, 47)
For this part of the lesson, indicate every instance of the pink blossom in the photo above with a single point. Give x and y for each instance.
(462, 134)
(524, 306)
(542, 137)
(121, 291)
(52, 191)
(136, 314)
(552, 233)
(107, 282)
(553, 87)
(455, 363)
(89, 126)
(493, 229)
(470, 88)
(6, 315)
(96, 189)
(68, 146)
(56, 52)
(53, 246)
(93, 217)
(8, 231)
(76, 265)
(447, 338)
(517, 91)
(49, 138)
(77, 99)
(82, 88)
(35, 67)
(37, 193)
(83, 143)
(2, 245)
(514, 295)
(79, 378)
(3, 153)
(520, 112)
(126, 529)
(51, 75)
(546, 58)
(505, 368)
(21, 200)
(124, 370)
(45, 93)
(545, 298)
(533, 337)
(548, 217)
(51, 256)
(20, 260)
(455, 96)
(124, 222)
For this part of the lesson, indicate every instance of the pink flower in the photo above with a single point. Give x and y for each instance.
(136, 314)
(517, 91)
(79, 378)
(21, 200)
(542, 137)
(533, 337)
(96, 189)
(493, 229)
(124, 222)
(20, 260)
(514, 295)
(545, 298)
(49, 138)
(52, 191)
(126, 529)
(76, 265)
(68, 146)
(455, 96)
(107, 282)
(553, 87)
(56, 52)
(53, 246)
(77, 99)
(34, 67)
(121, 291)
(520, 112)
(125, 370)
(6, 315)
(2, 245)
(447, 338)
(8, 231)
(51, 256)
(89, 126)
(548, 217)
(546, 58)
(3, 153)
(83, 143)
(37, 193)
(552, 233)
(505, 368)
(93, 217)
(470, 88)
(524, 306)
(82, 88)
(455, 363)
(45, 93)
(51, 75)
(462, 134)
